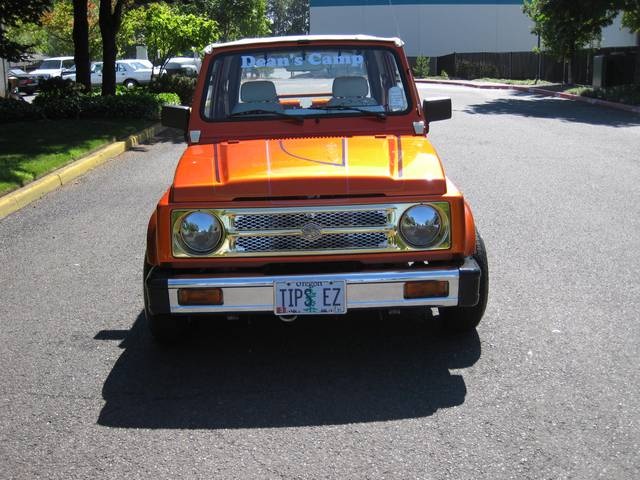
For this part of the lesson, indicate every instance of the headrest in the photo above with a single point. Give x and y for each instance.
(258, 91)
(350, 87)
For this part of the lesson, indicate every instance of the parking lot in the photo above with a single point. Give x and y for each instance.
(546, 388)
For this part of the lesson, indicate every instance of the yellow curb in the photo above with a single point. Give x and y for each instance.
(26, 195)
(22, 197)
(73, 171)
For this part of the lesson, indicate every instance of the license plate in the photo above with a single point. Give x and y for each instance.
(310, 298)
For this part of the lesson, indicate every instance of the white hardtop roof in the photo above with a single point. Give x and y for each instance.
(303, 38)
(58, 58)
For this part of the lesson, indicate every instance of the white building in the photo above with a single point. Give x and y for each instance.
(440, 27)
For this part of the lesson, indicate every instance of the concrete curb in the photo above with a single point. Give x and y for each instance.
(538, 91)
(14, 201)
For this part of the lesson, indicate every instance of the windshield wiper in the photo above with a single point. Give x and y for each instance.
(258, 111)
(380, 115)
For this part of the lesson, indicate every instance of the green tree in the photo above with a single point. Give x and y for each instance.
(58, 25)
(235, 18)
(566, 25)
(14, 13)
(288, 17)
(631, 14)
(29, 34)
(166, 30)
(631, 20)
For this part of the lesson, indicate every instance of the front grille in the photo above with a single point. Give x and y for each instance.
(331, 241)
(309, 230)
(289, 221)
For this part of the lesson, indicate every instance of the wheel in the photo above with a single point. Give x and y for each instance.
(464, 319)
(165, 329)
(130, 83)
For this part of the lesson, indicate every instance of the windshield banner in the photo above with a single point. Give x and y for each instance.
(311, 60)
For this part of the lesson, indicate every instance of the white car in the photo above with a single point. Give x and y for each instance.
(137, 63)
(126, 74)
(182, 65)
(129, 73)
(53, 67)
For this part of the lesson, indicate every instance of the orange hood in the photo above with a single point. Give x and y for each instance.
(328, 166)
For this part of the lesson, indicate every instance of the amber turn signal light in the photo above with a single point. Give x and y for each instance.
(200, 296)
(426, 289)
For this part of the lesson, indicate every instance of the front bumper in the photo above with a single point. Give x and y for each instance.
(368, 289)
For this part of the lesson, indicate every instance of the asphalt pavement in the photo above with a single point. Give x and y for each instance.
(546, 388)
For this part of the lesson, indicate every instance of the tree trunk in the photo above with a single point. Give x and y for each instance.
(81, 43)
(570, 69)
(109, 26)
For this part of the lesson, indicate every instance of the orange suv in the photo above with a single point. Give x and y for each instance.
(309, 187)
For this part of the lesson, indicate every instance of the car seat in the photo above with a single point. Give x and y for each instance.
(350, 92)
(258, 95)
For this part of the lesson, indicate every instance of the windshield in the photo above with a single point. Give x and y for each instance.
(138, 66)
(301, 82)
(50, 65)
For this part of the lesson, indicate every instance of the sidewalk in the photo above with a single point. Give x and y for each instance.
(546, 90)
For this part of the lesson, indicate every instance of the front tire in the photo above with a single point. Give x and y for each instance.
(464, 319)
(164, 328)
(130, 83)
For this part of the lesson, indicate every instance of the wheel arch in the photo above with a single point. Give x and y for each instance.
(469, 231)
(152, 240)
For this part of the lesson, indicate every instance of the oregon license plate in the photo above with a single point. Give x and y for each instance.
(310, 297)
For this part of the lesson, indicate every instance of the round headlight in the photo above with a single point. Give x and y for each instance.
(200, 232)
(420, 226)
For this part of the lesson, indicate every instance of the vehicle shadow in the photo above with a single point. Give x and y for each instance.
(263, 373)
(168, 135)
(555, 108)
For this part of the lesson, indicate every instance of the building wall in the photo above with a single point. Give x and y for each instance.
(439, 27)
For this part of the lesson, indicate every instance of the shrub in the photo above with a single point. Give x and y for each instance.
(421, 68)
(628, 94)
(59, 98)
(55, 108)
(58, 87)
(12, 110)
(183, 85)
(128, 105)
(470, 70)
(168, 98)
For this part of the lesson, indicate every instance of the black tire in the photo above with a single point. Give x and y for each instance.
(165, 329)
(464, 319)
(130, 83)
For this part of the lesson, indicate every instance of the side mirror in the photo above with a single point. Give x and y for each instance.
(176, 116)
(436, 109)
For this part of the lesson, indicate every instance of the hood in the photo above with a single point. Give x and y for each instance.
(328, 166)
(46, 71)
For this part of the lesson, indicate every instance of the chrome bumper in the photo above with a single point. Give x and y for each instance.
(382, 289)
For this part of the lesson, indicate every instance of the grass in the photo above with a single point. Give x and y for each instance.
(30, 150)
(509, 81)
(627, 94)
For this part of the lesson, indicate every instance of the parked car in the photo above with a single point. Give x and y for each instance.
(129, 73)
(180, 65)
(23, 81)
(138, 63)
(53, 67)
(310, 196)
